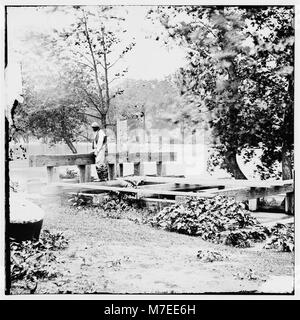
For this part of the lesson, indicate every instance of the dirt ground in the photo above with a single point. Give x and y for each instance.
(119, 256)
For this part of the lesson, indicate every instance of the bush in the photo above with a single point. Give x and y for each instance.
(78, 200)
(206, 218)
(115, 204)
(70, 174)
(31, 261)
(220, 220)
(244, 238)
(14, 186)
(102, 172)
(282, 238)
(210, 256)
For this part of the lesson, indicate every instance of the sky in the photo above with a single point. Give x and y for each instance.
(149, 59)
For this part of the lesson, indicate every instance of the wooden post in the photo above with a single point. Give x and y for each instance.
(159, 162)
(122, 140)
(149, 147)
(137, 165)
(117, 164)
(88, 173)
(137, 168)
(172, 153)
(50, 173)
(127, 145)
(111, 171)
(252, 204)
(289, 203)
(194, 143)
(81, 173)
(290, 199)
(121, 169)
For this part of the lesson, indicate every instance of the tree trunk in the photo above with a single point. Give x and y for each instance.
(71, 145)
(230, 156)
(232, 165)
(287, 173)
(182, 138)
(105, 70)
(103, 121)
(104, 125)
(287, 169)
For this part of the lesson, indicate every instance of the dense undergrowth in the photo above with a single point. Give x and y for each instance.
(222, 220)
(32, 261)
(219, 220)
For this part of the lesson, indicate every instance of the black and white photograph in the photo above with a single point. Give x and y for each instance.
(149, 149)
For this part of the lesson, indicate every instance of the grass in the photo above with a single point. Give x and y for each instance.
(107, 255)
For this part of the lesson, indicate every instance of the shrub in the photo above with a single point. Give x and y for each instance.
(282, 238)
(70, 174)
(206, 218)
(31, 261)
(78, 200)
(221, 220)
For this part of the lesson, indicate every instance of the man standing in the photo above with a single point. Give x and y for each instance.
(99, 149)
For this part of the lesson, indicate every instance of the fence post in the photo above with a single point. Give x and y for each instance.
(122, 138)
(50, 173)
(290, 199)
(149, 148)
(81, 173)
(159, 162)
(172, 153)
(112, 171)
(194, 143)
(121, 169)
(137, 163)
(88, 173)
(289, 203)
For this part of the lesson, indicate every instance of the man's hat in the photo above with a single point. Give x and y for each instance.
(95, 125)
